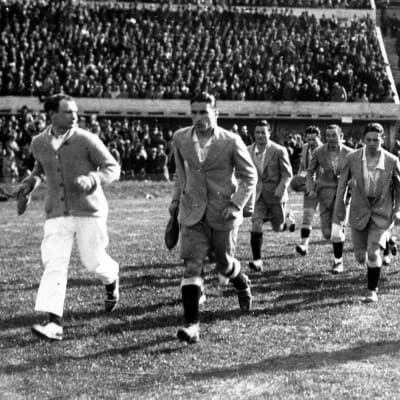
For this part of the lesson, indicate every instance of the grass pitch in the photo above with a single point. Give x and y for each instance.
(308, 336)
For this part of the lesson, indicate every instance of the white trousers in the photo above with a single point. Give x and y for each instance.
(92, 240)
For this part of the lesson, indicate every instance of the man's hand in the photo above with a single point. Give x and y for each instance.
(279, 191)
(312, 194)
(22, 194)
(84, 183)
(230, 212)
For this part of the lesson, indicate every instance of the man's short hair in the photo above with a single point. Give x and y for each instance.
(204, 97)
(374, 127)
(52, 102)
(313, 130)
(335, 127)
(263, 122)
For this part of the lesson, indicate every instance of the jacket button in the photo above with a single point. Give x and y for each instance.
(62, 199)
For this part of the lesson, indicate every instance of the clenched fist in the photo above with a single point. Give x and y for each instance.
(84, 183)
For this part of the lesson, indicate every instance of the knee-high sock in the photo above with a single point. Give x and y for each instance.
(190, 300)
(338, 249)
(386, 248)
(240, 282)
(256, 239)
(373, 274)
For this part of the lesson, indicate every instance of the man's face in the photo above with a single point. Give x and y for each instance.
(204, 116)
(312, 140)
(373, 141)
(333, 136)
(67, 115)
(261, 135)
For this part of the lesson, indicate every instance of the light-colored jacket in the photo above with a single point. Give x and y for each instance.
(386, 203)
(206, 188)
(305, 157)
(276, 172)
(321, 174)
(81, 153)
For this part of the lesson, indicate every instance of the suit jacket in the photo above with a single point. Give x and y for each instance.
(305, 157)
(277, 172)
(206, 188)
(382, 209)
(298, 182)
(321, 174)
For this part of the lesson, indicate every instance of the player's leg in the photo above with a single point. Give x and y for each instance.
(256, 234)
(224, 243)
(309, 208)
(376, 239)
(56, 252)
(195, 245)
(92, 240)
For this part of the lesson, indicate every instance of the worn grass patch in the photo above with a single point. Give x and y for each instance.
(308, 337)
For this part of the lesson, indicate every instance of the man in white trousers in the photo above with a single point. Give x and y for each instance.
(75, 163)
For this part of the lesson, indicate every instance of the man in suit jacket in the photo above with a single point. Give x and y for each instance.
(298, 184)
(321, 181)
(373, 174)
(210, 201)
(274, 174)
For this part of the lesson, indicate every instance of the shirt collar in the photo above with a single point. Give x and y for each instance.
(381, 161)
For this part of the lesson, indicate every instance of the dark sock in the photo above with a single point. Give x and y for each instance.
(55, 318)
(240, 282)
(386, 249)
(305, 233)
(190, 300)
(373, 277)
(256, 239)
(110, 287)
(338, 249)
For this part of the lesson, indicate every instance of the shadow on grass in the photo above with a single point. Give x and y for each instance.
(49, 362)
(301, 362)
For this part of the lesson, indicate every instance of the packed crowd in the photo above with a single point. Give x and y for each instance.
(55, 46)
(273, 3)
(143, 149)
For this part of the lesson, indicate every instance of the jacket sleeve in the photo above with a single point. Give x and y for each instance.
(179, 175)
(37, 176)
(396, 185)
(108, 169)
(246, 174)
(311, 171)
(339, 213)
(285, 169)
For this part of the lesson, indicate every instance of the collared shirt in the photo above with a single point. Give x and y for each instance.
(56, 142)
(371, 175)
(202, 151)
(259, 158)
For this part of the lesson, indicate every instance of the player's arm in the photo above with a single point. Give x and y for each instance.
(339, 214)
(285, 169)
(311, 171)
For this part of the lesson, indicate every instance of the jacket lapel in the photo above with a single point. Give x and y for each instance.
(188, 146)
(268, 156)
(214, 152)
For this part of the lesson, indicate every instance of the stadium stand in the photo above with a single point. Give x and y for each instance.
(162, 54)
(129, 63)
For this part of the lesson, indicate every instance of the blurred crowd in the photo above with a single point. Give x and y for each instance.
(364, 4)
(142, 148)
(50, 46)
